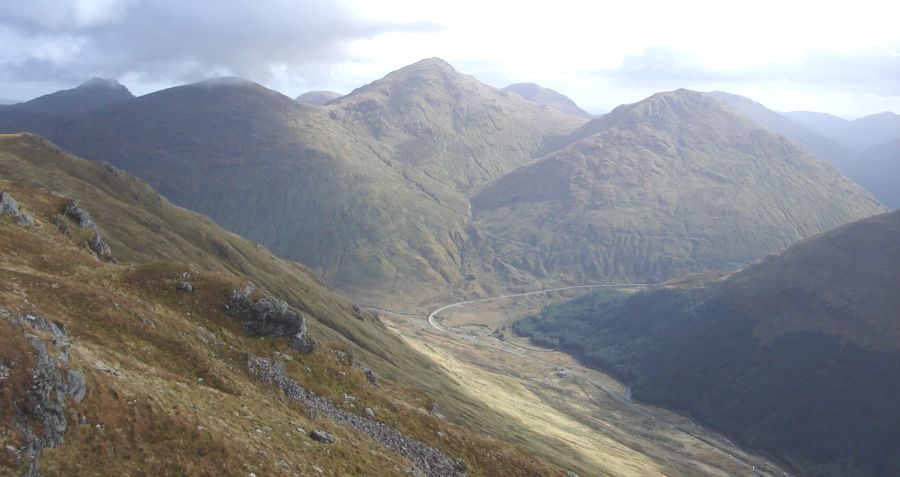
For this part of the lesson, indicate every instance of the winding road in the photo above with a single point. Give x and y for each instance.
(622, 399)
(434, 313)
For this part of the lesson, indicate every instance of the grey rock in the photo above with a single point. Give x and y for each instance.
(99, 246)
(371, 376)
(322, 437)
(8, 205)
(25, 220)
(75, 386)
(569, 473)
(269, 316)
(427, 460)
(184, 287)
(369, 412)
(81, 216)
(317, 469)
(56, 330)
(4, 371)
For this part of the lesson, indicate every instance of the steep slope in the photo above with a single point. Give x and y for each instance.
(874, 168)
(878, 170)
(841, 157)
(673, 184)
(858, 134)
(447, 125)
(92, 94)
(156, 374)
(369, 190)
(281, 173)
(547, 97)
(317, 98)
(797, 355)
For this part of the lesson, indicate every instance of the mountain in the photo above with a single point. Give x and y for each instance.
(879, 171)
(672, 184)
(369, 191)
(317, 98)
(448, 125)
(816, 143)
(857, 134)
(870, 168)
(132, 343)
(92, 94)
(797, 355)
(547, 97)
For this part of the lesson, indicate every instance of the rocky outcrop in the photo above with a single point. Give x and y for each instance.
(81, 216)
(427, 460)
(40, 417)
(264, 315)
(8, 205)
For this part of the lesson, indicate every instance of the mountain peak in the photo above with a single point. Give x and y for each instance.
(431, 64)
(101, 83)
(545, 96)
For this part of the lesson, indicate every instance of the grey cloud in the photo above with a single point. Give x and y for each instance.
(158, 40)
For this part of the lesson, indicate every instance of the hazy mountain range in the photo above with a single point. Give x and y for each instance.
(375, 191)
(421, 187)
(861, 149)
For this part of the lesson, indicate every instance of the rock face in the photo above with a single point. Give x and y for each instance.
(264, 315)
(40, 417)
(83, 218)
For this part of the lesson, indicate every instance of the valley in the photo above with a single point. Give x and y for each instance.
(585, 417)
(432, 276)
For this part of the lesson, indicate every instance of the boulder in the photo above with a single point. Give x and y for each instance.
(323, 437)
(269, 316)
(25, 220)
(8, 205)
(75, 387)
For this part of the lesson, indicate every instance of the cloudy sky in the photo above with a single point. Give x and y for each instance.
(839, 57)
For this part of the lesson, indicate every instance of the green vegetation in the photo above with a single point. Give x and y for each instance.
(673, 184)
(184, 403)
(798, 355)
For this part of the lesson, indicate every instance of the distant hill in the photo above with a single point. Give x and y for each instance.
(5, 101)
(317, 98)
(797, 355)
(857, 134)
(879, 171)
(869, 168)
(448, 125)
(92, 94)
(821, 146)
(548, 97)
(673, 184)
(144, 365)
(369, 191)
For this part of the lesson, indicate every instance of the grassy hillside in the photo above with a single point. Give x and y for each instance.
(369, 191)
(130, 317)
(676, 183)
(796, 355)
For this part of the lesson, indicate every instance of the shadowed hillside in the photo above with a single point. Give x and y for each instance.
(797, 355)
